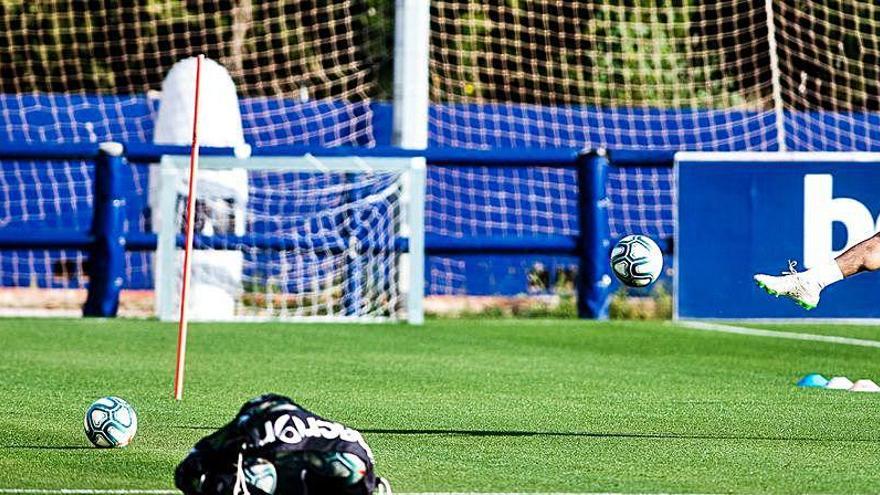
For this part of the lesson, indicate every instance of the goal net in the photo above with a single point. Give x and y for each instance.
(829, 74)
(315, 238)
(659, 75)
(75, 71)
(33, 195)
(80, 72)
(727, 75)
(666, 75)
(609, 73)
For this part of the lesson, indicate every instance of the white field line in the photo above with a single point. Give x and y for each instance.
(756, 332)
(86, 491)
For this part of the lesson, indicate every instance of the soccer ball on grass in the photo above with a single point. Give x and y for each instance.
(636, 260)
(110, 422)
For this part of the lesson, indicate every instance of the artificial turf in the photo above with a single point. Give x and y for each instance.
(456, 405)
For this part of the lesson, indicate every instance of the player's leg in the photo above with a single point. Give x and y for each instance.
(805, 287)
(863, 257)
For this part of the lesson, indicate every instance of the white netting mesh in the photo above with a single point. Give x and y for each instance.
(690, 74)
(641, 200)
(58, 196)
(315, 245)
(73, 71)
(81, 71)
(446, 276)
(829, 58)
(138, 264)
(606, 73)
(481, 201)
(35, 195)
(603, 73)
(666, 74)
(44, 269)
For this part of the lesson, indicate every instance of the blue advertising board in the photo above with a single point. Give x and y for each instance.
(746, 213)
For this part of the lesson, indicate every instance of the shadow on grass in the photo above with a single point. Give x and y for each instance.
(586, 434)
(646, 436)
(48, 447)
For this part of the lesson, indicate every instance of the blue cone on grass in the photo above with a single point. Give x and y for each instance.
(814, 380)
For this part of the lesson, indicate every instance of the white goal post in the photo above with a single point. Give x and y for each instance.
(338, 239)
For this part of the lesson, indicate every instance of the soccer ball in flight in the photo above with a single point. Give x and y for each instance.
(636, 260)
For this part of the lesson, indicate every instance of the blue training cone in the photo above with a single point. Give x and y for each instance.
(813, 380)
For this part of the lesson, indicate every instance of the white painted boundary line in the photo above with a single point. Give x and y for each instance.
(86, 491)
(756, 332)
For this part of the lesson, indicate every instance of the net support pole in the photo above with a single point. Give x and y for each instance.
(106, 266)
(775, 76)
(411, 44)
(593, 280)
(410, 131)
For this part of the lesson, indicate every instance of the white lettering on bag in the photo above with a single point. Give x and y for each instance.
(293, 430)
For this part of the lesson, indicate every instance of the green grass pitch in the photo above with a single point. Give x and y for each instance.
(457, 405)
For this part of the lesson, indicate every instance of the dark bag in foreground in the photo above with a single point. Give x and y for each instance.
(275, 447)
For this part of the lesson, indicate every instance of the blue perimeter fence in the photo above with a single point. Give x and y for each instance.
(110, 234)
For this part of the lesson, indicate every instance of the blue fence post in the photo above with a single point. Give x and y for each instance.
(106, 265)
(593, 279)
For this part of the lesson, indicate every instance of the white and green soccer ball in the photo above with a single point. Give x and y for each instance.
(261, 474)
(110, 422)
(342, 465)
(637, 261)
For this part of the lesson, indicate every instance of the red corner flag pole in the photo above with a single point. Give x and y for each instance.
(190, 223)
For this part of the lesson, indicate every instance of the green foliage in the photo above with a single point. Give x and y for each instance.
(658, 53)
(656, 306)
(606, 52)
(642, 55)
(271, 48)
(562, 306)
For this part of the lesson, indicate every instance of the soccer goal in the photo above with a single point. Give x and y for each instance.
(311, 238)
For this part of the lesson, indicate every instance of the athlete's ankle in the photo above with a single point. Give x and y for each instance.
(824, 275)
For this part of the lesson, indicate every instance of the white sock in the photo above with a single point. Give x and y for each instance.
(825, 274)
